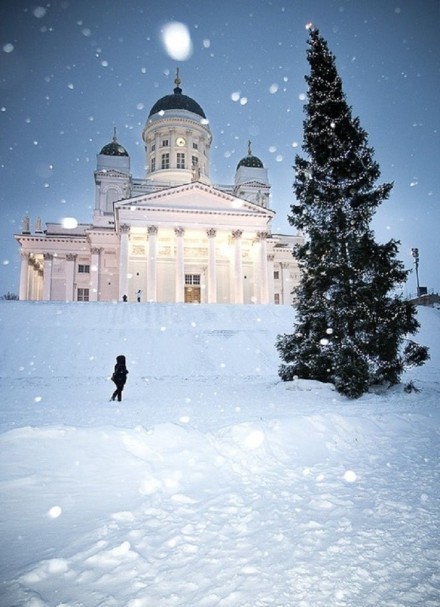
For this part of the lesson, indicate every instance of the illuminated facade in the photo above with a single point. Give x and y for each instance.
(172, 236)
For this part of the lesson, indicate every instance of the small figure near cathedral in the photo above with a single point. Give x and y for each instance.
(119, 377)
(138, 295)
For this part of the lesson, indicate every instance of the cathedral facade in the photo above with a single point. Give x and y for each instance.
(172, 236)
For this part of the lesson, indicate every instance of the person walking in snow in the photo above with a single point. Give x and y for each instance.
(119, 377)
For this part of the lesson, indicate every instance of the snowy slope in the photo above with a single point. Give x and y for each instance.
(212, 483)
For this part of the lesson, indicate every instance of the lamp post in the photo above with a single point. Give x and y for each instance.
(415, 255)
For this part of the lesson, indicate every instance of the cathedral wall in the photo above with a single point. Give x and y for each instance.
(166, 280)
(223, 283)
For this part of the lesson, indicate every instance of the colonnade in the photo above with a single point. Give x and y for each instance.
(36, 279)
(236, 286)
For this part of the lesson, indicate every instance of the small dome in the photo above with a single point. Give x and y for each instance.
(177, 101)
(114, 148)
(250, 160)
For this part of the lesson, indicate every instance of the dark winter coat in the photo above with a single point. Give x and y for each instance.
(120, 373)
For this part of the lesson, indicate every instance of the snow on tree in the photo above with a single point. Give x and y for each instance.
(351, 324)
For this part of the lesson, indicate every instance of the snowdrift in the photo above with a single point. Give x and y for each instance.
(212, 483)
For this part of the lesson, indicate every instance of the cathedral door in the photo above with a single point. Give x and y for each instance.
(192, 288)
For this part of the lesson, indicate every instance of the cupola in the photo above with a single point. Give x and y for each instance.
(250, 160)
(177, 140)
(251, 180)
(113, 156)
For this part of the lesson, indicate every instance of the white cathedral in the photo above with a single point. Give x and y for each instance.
(172, 236)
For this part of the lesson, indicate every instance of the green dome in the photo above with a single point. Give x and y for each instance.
(114, 148)
(177, 101)
(250, 160)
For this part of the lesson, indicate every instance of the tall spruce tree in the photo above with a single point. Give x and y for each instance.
(351, 326)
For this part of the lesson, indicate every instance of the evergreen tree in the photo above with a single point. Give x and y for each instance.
(350, 328)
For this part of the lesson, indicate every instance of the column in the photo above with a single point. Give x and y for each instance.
(123, 261)
(39, 284)
(152, 264)
(270, 272)
(212, 266)
(47, 276)
(285, 280)
(264, 284)
(35, 281)
(180, 265)
(238, 268)
(95, 274)
(24, 276)
(70, 276)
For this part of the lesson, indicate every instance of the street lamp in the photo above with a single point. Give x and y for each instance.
(415, 255)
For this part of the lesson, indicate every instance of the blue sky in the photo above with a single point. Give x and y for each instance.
(71, 70)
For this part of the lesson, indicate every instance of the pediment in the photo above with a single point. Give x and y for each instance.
(111, 173)
(254, 184)
(195, 197)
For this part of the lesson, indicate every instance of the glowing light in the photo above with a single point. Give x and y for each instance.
(55, 512)
(69, 223)
(350, 476)
(177, 41)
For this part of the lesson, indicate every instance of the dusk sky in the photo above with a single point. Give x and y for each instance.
(72, 70)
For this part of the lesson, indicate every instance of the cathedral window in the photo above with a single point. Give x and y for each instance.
(165, 161)
(153, 147)
(192, 279)
(153, 165)
(83, 268)
(164, 143)
(83, 294)
(195, 146)
(180, 160)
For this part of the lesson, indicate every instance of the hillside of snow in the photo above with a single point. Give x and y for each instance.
(212, 484)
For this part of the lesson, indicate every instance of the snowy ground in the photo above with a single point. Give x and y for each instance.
(212, 483)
